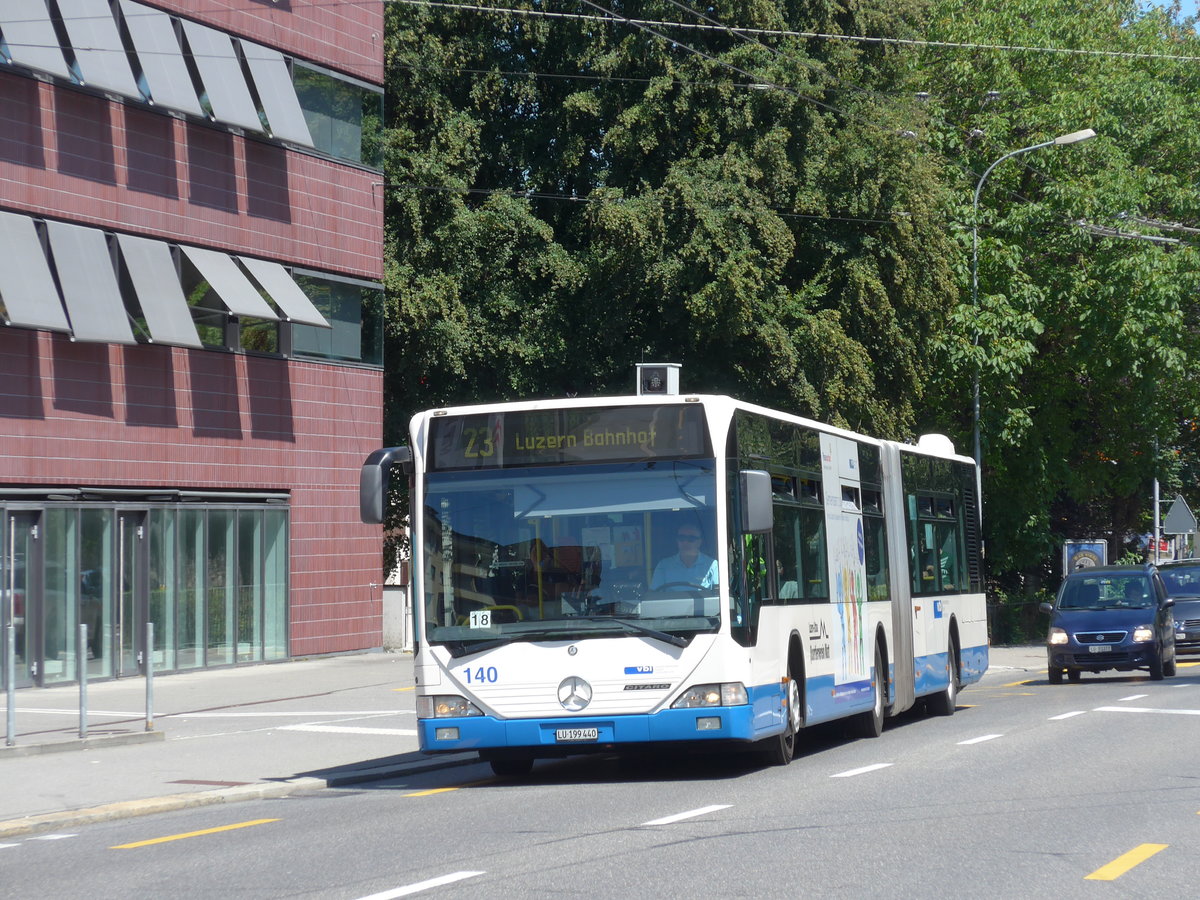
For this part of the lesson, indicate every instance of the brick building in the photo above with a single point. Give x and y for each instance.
(191, 231)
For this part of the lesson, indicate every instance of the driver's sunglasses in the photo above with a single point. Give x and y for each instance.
(690, 538)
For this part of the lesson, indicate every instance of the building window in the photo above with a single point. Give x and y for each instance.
(354, 309)
(344, 116)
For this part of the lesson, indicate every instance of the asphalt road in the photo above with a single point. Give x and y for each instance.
(1030, 790)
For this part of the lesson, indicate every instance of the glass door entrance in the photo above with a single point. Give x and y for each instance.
(132, 581)
(20, 588)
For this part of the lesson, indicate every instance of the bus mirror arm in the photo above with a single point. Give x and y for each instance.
(758, 514)
(373, 481)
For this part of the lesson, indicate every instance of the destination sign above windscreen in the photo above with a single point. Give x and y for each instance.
(548, 437)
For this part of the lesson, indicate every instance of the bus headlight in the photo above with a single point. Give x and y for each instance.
(730, 694)
(1143, 633)
(446, 706)
(1057, 636)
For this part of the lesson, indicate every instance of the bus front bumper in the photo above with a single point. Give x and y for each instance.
(579, 734)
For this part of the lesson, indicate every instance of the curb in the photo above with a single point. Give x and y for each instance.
(87, 743)
(267, 790)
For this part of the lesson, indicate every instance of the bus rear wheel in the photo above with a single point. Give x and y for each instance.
(869, 724)
(944, 702)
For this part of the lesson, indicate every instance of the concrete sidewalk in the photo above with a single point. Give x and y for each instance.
(230, 734)
(218, 736)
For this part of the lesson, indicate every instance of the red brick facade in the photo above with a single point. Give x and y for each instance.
(75, 413)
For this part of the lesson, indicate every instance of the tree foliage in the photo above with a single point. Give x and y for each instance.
(786, 209)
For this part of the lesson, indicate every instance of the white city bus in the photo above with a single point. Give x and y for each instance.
(834, 576)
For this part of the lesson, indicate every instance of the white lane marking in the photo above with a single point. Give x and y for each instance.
(8, 846)
(52, 837)
(852, 772)
(298, 713)
(979, 740)
(74, 713)
(343, 729)
(140, 713)
(1070, 715)
(421, 886)
(1132, 697)
(678, 817)
(1146, 709)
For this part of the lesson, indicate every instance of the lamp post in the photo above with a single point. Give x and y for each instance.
(1072, 138)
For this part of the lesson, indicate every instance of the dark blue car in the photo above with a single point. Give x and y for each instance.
(1110, 617)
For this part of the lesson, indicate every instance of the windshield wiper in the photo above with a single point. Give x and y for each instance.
(459, 649)
(636, 628)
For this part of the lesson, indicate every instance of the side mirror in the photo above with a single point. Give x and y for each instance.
(1047, 608)
(373, 481)
(758, 513)
(1168, 603)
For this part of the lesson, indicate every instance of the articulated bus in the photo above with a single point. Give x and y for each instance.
(614, 574)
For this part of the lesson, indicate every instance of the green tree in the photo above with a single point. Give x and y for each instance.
(567, 197)
(1085, 334)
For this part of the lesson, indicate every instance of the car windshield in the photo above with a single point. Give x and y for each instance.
(1110, 591)
(567, 552)
(1181, 581)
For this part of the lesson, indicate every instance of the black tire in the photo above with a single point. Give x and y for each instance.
(513, 767)
(1074, 674)
(781, 749)
(1054, 675)
(944, 701)
(1156, 666)
(869, 724)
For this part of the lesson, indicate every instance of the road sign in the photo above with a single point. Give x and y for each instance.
(1180, 519)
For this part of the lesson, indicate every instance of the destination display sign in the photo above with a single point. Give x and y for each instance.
(551, 436)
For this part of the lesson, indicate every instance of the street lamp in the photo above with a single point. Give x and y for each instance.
(1072, 138)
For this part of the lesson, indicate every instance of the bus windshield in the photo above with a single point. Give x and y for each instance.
(568, 552)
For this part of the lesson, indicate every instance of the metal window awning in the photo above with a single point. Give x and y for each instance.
(89, 284)
(26, 284)
(221, 73)
(283, 289)
(232, 286)
(97, 45)
(277, 92)
(30, 37)
(161, 58)
(156, 283)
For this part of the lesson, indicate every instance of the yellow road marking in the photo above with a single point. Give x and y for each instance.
(190, 834)
(431, 792)
(1018, 683)
(1125, 862)
(404, 689)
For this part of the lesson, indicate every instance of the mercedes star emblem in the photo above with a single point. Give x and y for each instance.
(574, 694)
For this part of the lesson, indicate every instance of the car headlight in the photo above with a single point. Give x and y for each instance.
(1143, 633)
(731, 694)
(446, 706)
(1057, 636)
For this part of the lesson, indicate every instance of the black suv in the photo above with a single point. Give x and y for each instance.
(1111, 617)
(1181, 577)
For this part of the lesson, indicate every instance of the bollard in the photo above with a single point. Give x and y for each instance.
(81, 655)
(10, 675)
(149, 656)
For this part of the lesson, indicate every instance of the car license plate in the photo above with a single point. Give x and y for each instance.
(568, 735)
(1100, 648)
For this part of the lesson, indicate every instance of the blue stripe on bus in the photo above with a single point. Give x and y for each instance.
(761, 718)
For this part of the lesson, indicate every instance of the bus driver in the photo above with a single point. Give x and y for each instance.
(688, 566)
